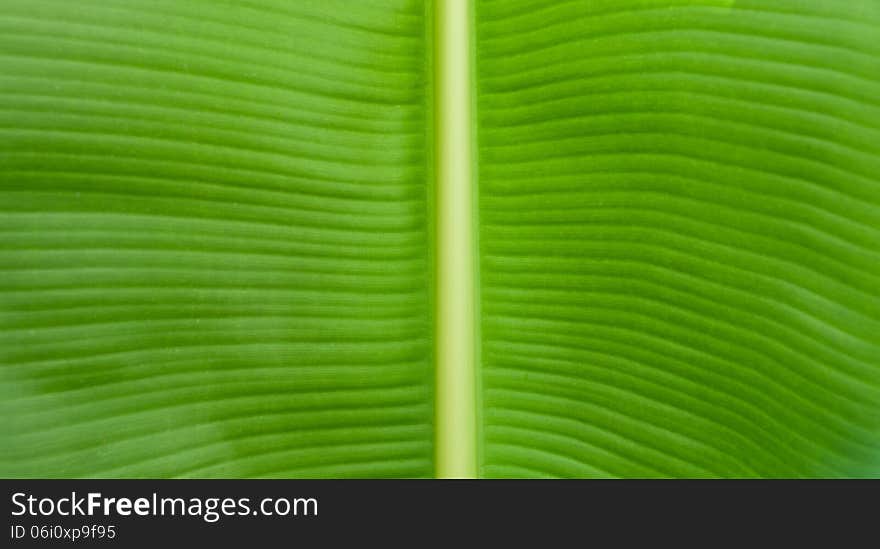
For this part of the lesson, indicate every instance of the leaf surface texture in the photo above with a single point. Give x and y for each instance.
(680, 237)
(218, 238)
(216, 244)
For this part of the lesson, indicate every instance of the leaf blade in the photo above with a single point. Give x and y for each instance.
(217, 249)
(679, 231)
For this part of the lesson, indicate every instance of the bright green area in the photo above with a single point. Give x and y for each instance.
(680, 238)
(216, 255)
(223, 253)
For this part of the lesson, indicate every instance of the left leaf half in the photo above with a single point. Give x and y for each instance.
(215, 241)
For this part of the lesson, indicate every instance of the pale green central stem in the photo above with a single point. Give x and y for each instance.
(456, 397)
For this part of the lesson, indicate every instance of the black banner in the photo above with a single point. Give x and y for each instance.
(415, 513)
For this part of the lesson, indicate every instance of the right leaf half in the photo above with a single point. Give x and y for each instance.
(679, 237)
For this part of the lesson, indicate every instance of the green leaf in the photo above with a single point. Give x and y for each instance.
(224, 254)
(680, 237)
(216, 247)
